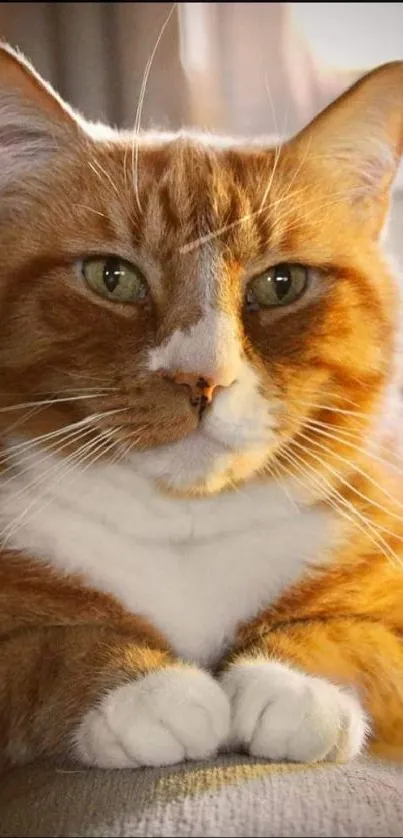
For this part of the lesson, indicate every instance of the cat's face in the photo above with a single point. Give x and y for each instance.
(196, 302)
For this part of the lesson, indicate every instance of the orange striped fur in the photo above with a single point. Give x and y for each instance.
(321, 200)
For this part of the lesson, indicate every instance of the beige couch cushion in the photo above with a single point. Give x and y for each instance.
(230, 797)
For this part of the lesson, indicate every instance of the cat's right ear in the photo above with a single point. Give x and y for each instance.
(34, 121)
(357, 141)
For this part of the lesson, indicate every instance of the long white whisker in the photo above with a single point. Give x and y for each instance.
(342, 433)
(277, 154)
(123, 449)
(339, 510)
(186, 248)
(371, 525)
(46, 452)
(208, 237)
(53, 401)
(278, 149)
(359, 521)
(136, 134)
(21, 421)
(332, 409)
(61, 471)
(29, 446)
(34, 484)
(88, 420)
(297, 172)
(345, 437)
(336, 493)
(66, 390)
(339, 396)
(275, 472)
(307, 216)
(360, 471)
(97, 169)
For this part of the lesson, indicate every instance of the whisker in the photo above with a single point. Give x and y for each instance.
(277, 154)
(390, 555)
(357, 468)
(275, 472)
(344, 437)
(335, 493)
(91, 209)
(49, 394)
(307, 216)
(363, 524)
(330, 408)
(13, 527)
(44, 393)
(97, 169)
(52, 401)
(187, 248)
(137, 123)
(278, 148)
(32, 443)
(348, 433)
(339, 397)
(124, 450)
(21, 421)
(46, 451)
(298, 170)
(88, 420)
(86, 376)
(45, 475)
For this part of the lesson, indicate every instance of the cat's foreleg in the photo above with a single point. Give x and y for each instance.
(106, 699)
(317, 690)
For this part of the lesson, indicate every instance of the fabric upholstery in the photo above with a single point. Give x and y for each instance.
(234, 796)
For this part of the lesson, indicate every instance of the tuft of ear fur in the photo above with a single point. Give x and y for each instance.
(34, 121)
(357, 141)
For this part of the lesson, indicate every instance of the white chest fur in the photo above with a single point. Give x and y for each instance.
(194, 568)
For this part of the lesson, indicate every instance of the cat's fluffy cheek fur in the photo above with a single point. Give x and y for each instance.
(166, 717)
(282, 714)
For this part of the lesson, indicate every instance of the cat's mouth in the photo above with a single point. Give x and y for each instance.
(232, 441)
(202, 435)
(199, 464)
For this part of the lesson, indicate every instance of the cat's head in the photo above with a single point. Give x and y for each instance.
(203, 305)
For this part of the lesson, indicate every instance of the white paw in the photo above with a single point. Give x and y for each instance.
(282, 714)
(168, 716)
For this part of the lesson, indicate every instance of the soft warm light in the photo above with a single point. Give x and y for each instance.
(352, 35)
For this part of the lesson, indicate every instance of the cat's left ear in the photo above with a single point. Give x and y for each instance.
(357, 141)
(34, 121)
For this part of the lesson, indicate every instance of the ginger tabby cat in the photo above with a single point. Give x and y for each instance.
(201, 505)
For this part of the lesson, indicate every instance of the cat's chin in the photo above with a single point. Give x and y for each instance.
(198, 465)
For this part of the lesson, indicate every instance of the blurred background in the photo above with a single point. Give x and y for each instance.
(239, 68)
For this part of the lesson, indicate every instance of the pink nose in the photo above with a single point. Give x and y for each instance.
(201, 390)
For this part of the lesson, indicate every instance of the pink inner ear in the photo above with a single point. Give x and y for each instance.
(368, 166)
(359, 137)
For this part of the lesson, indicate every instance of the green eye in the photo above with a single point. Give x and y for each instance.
(278, 286)
(115, 279)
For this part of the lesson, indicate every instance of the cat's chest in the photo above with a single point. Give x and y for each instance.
(195, 569)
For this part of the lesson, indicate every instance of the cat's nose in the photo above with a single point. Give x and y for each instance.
(201, 389)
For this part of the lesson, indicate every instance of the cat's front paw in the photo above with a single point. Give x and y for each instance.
(167, 716)
(282, 714)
